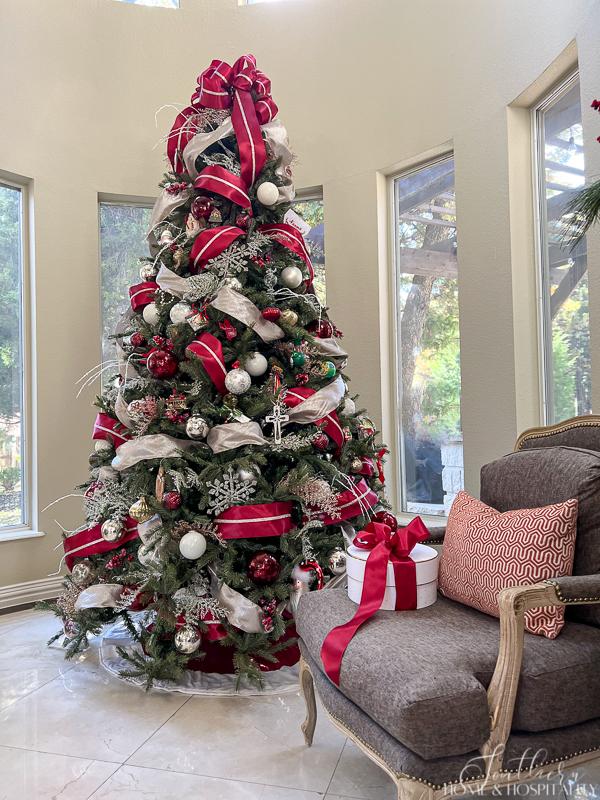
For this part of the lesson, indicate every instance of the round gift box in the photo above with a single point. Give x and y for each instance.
(426, 562)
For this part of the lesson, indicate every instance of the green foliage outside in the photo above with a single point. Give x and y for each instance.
(10, 303)
(9, 478)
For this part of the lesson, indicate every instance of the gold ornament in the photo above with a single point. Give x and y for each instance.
(178, 257)
(356, 465)
(140, 511)
(159, 486)
(289, 317)
(215, 216)
(230, 401)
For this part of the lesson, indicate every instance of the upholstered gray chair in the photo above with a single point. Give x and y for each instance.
(447, 695)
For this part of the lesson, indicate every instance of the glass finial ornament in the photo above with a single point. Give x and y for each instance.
(140, 511)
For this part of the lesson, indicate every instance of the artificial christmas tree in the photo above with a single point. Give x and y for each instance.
(228, 452)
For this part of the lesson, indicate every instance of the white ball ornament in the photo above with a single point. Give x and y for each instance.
(192, 545)
(256, 364)
(267, 193)
(102, 447)
(237, 381)
(349, 406)
(150, 314)
(197, 427)
(291, 277)
(187, 639)
(179, 312)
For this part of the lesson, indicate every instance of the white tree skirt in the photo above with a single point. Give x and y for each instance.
(279, 681)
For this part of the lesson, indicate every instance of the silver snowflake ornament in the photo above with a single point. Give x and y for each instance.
(230, 490)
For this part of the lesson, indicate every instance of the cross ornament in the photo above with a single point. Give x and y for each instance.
(277, 417)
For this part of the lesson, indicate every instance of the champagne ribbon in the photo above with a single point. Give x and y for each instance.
(209, 350)
(144, 448)
(109, 429)
(234, 434)
(307, 405)
(219, 180)
(385, 546)
(241, 612)
(100, 595)
(255, 521)
(243, 309)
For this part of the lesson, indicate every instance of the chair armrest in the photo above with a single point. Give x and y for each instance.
(576, 589)
(502, 691)
(436, 534)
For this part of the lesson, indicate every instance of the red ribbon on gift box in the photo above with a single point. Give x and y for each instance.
(210, 352)
(255, 521)
(110, 429)
(142, 294)
(385, 546)
(90, 542)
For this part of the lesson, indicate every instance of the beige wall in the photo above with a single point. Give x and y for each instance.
(362, 85)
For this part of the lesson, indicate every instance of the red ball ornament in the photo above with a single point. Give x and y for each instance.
(162, 364)
(242, 221)
(263, 568)
(271, 313)
(386, 519)
(302, 377)
(137, 340)
(172, 501)
(201, 208)
(320, 441)
(322, 328)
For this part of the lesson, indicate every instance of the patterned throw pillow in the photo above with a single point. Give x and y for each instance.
(486, 551)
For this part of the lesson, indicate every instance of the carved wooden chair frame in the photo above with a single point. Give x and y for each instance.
(502, 691)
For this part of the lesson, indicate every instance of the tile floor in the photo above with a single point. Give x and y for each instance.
(70, 731)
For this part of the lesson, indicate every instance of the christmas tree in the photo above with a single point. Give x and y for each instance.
(229, 454)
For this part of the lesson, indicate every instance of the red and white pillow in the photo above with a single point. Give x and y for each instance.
(486, 551)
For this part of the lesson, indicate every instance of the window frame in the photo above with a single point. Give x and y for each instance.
(542, 272)
(397, 438)
(27, 528)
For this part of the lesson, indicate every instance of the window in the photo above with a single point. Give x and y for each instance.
(565, 334)
(427, 339)
(155, 3)
(12, 353)
(123, 228)
(310, 208)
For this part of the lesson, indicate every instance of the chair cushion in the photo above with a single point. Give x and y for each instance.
(422, 675)
(546, 475)
(486, 551)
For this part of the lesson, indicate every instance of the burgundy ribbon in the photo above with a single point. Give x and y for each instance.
(219, 180)
(90, 542)
(330, 423)
(248, 90)
(352, 503)
(210, 352)
(183, 131)
(110, 429)
(142, 294)
(288, 236)
(211, 242)
(385, 546)
(255, 521)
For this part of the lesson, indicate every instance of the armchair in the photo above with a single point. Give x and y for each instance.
(447, 696)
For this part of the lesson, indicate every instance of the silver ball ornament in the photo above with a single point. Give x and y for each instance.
(192, 545)
(291, 277)
(237, 381)
(148, 272)
(256, 364)
(233, 283)
(197, 427)
(245, 474)
(150, 314)
(148, 555)
(349, 407)
(267, 193)
(102, 447)
(82, 573)
(337, 561)
(187, 639)
(179, 312)
(111, 530)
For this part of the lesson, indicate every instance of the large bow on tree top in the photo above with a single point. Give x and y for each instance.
(247, 91)
(385, 546)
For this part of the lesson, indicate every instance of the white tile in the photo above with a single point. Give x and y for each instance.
(583, 782)
(129, 783)
(27, 775)
(14, 619)
(248, 739)
(357, 776)
(87, 713)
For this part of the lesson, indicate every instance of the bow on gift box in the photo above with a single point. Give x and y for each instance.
(385, 546)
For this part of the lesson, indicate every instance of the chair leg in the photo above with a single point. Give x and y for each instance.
(308, 691)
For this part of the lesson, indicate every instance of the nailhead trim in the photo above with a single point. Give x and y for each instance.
(540, 433)
(571, 600)
(561, 758)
